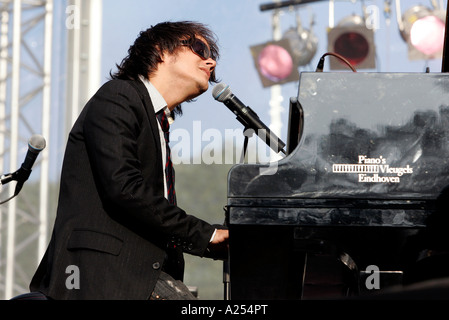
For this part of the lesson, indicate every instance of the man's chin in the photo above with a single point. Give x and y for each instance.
(201, 90)
(204, 88)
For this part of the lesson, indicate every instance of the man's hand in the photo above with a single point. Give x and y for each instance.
(218, 247)
(220, 236)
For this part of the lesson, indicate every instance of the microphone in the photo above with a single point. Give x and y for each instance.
(35, 145)
(247, 116)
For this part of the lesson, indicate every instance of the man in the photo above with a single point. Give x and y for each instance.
(118, 233)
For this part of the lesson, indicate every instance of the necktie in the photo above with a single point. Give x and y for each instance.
(169, 171)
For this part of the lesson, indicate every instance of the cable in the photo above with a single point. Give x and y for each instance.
(320, 65)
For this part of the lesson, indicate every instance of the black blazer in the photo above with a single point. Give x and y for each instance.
(113, 221)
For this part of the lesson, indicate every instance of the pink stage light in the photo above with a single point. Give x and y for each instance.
(427, 35)
(275, 63)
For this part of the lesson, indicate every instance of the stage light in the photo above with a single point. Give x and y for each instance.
(275, 62)
(423, 30)
(304, 44)
(354, 41)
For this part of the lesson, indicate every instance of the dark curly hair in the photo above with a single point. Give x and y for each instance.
(146, 52)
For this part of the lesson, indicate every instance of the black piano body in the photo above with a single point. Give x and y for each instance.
(368, 157)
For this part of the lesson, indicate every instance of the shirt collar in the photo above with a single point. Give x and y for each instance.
(156, 98)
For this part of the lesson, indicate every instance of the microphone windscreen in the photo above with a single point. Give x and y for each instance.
(221, 92)
(37, 142)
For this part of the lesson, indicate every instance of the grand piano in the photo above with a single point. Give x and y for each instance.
(346, 212)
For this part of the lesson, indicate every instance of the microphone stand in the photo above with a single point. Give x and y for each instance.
(226, 279)
(8, 178)
(20, 176)
(226, 268)
(245, 143)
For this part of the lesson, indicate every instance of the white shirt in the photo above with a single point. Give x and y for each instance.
(159, 104)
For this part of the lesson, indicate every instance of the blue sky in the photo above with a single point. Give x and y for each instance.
(239, 24)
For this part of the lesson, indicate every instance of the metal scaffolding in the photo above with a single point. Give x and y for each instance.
(84, 32)
(25, 94)
(26, 99)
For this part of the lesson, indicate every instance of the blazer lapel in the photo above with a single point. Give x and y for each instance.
(144, 95)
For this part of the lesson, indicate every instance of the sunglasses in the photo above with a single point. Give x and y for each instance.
(198, 47)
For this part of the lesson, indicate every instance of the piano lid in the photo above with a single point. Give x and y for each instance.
(365, 135)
